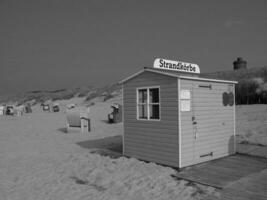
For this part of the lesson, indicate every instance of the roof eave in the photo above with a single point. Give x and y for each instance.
(148, 70)
(132, 76)
(176, 76)
(208, 79)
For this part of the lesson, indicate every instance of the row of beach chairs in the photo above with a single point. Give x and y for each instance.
(51, 107)
(14, 110)
(79, 117)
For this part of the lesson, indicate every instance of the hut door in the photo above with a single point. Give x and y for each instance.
(202, 151)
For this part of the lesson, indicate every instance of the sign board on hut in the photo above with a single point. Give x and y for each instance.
(178, 66)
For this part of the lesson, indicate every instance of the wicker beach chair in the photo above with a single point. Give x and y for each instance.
(78, 118)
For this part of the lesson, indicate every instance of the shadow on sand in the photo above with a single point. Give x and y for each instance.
(63, 130)
(109, 146)
(105, 121)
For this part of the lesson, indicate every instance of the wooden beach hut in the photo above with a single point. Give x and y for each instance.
(174, 117)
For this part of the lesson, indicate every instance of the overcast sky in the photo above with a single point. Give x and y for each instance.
(53, 44)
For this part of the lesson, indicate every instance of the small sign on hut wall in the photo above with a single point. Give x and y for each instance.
(185, 100)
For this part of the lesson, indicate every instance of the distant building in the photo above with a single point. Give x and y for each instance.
(240, 64)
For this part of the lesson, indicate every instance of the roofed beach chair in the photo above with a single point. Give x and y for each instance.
(9, 110)
(28, 108)
(56, 107)
(78, 119)
(46, 107)
(116, 115)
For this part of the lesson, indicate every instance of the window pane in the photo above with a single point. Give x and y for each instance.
(231, 98)
(154, 111)
(225, 97)
(142, 96)
(154, 95)
(142, 110)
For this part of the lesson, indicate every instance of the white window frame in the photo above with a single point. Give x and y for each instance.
(147, 103)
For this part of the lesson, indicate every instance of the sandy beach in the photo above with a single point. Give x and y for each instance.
(39, 160)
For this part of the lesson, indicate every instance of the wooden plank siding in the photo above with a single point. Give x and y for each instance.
(155, 141)
(215, 123)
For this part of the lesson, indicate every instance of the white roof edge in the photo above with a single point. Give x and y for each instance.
(208, 79)
(143, 70)
(176, 76)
